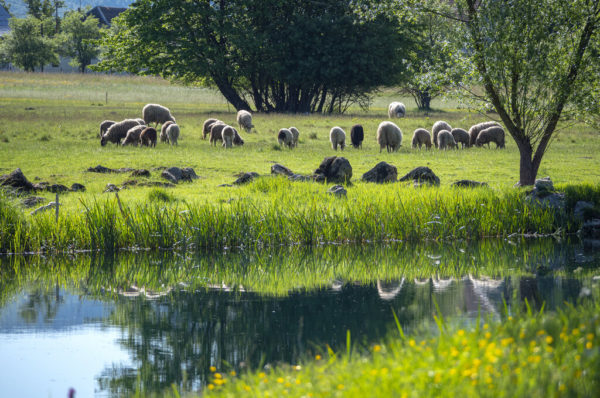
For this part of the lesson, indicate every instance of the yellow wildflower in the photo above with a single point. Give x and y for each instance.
(377, 348)
(318, 357)
(211, 386)
(589, 345)
(280, 380)
(461, 332)
(232, 373)
(340, 386)
(590, 336)
(218, 376)
(213, 369)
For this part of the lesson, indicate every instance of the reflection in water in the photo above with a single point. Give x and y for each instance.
(177, 319)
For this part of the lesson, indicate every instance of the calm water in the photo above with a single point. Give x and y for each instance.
(86, 323)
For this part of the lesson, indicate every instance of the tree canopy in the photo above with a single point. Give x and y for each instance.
(25, 46)
(278, 55)
(77, 38)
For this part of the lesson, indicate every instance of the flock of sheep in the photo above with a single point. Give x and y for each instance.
(389, 136)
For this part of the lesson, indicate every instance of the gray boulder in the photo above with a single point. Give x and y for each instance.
(32, 201)
(111, 188)
(334, 169)
(57, 188)
(175, 174)
(76, 187)
(543, 193)
(17, 181)
(421, 175)
(245, 178)
(469, 184)
(382, 172)
(337, 190)
(279, 169)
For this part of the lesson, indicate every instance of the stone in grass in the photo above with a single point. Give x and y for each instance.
(175, 174)
(245, 178)
(51, 205)
(279, 169)
(469, 184)
(334, 169)
(300, 178)
(111, 188)
(337, 190)
(421, 175)
(543, 193)
(57, 188)
(100, 169)
(32, 201)
(140, 173)
(381, 173)
(76, 187)
(156, 184)
(16, 180)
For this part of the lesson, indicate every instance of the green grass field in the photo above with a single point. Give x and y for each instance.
(50, 125)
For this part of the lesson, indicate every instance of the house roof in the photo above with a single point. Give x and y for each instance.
(105, 14)
(4, 17)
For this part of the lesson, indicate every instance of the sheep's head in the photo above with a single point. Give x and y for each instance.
(103, 141)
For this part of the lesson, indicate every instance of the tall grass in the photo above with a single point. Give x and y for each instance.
(279, 217)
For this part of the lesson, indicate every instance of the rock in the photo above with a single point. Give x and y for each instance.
(130, 183)
(140, 173)
(56, 188)
(337, 190)
(175, 174)
(422, 175)
(590, 229)
(224, 186)
(382, 172)
(156, 184)
(76, 187)
(469, 184)
(582, 209)
(41, 186)
(281, 170)
(16, 180)
(124, 170)
(49, 206)
(300, 177)
(32, 201)
(111, 188)
(543, 185)
(100, 169)
(334, 169)
(245, 178)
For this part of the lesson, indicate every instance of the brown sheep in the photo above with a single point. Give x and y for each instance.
(148, 137)
(461, 135)
(206, 127)
(163, 131)
(216, 132)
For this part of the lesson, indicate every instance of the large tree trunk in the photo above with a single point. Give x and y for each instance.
(527, 167)
(231, 95)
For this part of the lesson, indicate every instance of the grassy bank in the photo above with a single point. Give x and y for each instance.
(525, 355)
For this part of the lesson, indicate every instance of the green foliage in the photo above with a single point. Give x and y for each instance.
(78, 38)
(26, 47)
(292, 56)
(160, 195)
(536, 63)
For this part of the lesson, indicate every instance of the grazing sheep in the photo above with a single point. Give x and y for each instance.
(173, 133)
(295, 135)
(491, 134)
(118, 131)
(437, 127)
(389, 136)
(396, 109)
(237, 139)
(337, 136)
(154, 113)
(216, 132)
(140, 121)
(445, 140)
(460, 135)
(228, 135)
(133, 136)
(357, 135)
(421, 137)
(163, 131)
(285, 137)
(476, 129)
(244, 119)
(104, 126)
(206, 127)
(148, 137)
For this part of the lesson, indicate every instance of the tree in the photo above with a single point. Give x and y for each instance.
(25, 46)
(280, 55)
(535, 62)
(78, 38)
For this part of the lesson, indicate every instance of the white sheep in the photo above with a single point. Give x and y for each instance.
(396, 109)
(285, 137)
(337, 136)
(140, 121)
(104, 126)
(118, 131)
(154, 113)
(462, 136)
(389, 136)
(244, 119)
(421, 137)
(206, 127)
(173, 133)
(228, 135)
(445, 140)
(133, 135)
(295, 135)
(476, 129)
(163, 131)
(491, 134)
(437, 127)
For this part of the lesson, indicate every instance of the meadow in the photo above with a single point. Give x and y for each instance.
(50, 130)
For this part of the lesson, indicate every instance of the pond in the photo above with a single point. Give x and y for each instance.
(110, 326)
